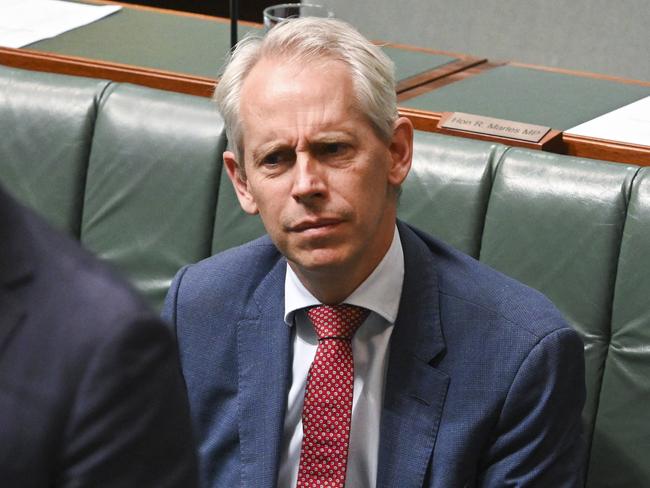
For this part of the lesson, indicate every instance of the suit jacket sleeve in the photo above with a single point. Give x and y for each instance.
(130, 423)
(538, 436)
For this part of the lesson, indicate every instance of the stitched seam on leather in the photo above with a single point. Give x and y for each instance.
(493, 167)
(98, 102)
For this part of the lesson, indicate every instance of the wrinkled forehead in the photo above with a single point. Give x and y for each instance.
(299, 96)
(324, 79)
(295, 66)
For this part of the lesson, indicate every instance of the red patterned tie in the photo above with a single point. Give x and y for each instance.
(328, 397)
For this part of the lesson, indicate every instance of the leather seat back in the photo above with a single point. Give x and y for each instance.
(447, 190)
(621, 441)
(152, 186)
(47, 123)
(556, 224)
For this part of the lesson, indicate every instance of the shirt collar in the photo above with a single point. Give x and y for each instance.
(379, 293)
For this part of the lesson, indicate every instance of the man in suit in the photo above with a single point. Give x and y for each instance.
(91, 393)
(461, 376)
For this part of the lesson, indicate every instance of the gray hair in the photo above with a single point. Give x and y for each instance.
(307, 39)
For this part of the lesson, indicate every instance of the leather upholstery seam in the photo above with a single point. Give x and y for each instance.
(98, 101)
(493, 168)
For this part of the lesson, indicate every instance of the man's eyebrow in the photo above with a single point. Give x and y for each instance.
(267, 148)
(332, 136)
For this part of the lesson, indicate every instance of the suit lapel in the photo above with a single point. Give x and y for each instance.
(415, 390)
(264, 345)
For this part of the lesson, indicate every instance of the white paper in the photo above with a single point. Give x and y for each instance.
(630, 123)
(23, 22)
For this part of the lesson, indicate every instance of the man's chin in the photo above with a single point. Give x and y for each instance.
(317, 260)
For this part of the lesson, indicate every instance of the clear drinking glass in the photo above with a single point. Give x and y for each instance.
(277, 13)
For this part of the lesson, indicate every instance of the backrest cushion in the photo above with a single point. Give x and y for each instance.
(47, 122)
(555, 223)
(621, 443)
(447, 190)
(152, 186)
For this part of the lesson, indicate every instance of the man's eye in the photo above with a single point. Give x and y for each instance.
(276, 158)
(333, 149)
(271, 159)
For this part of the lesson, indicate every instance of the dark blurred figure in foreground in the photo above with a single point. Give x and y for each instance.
(90, 389)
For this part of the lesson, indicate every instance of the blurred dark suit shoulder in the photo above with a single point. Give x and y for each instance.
(90, 388)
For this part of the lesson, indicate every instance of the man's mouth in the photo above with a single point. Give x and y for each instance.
(314, 224)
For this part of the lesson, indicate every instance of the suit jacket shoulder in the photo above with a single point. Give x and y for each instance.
(228, 280)
(88, 374)
(463, 278)
(485, 382)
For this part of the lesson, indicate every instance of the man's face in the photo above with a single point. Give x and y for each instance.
(315, 170)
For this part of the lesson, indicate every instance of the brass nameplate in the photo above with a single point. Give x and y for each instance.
(495, 127)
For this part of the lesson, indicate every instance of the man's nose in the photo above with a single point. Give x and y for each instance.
(309, 178)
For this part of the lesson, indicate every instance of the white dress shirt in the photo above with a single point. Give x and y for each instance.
(380, 293)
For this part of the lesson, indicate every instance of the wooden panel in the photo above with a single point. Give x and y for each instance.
(621, 152)
(584, 147)
(464, 67)
(70, 65)
(431, 122)
(566, 144)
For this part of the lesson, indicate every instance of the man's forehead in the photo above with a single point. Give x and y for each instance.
(278, 73)
(313, 89)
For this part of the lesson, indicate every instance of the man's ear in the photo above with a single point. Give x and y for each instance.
(401, 149)
(240, 183)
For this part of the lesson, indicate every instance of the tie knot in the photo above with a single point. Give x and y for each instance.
(340, 321)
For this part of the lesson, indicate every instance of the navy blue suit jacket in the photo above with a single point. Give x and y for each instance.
(484, 387)
(91, 393)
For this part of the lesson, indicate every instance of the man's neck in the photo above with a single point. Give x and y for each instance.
(330, 288)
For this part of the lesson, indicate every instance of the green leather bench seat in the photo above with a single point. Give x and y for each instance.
(152, 183)
(449, 199)
(621, 440)
(46, 127)
(136, 175)
(556, 224)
